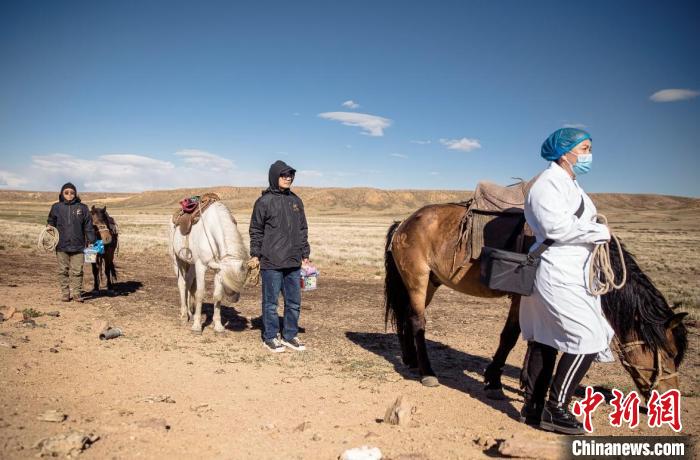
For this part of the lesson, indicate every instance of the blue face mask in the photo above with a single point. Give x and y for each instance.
(583, 164)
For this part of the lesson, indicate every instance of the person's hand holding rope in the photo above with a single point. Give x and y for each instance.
(253, 265)
(48, 239)
(601, 277)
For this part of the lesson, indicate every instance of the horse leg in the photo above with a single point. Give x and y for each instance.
(200, 270)
(181, 270)
(218, 295)
(95, 277)
(408, 346)
(419, 299)
(509, 337)
(109, 268)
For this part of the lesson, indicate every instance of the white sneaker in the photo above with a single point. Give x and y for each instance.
(294, 344)
(274, 345)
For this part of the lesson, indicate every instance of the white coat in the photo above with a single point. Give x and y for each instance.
(560, 312)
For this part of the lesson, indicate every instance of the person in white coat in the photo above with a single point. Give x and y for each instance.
(561, 315)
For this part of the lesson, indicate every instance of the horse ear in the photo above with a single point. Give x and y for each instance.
(104, 209)
(93, 208)
(676, 320)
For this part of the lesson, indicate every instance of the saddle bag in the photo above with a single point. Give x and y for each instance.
(508, 271)
(513, 272)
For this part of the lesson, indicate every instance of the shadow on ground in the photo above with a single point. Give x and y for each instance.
(449, 364)
(230, 317)
(123, 288)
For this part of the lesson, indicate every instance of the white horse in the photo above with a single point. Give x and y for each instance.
(215, 243)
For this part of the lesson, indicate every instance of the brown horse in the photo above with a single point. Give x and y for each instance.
(106, 228)
(420, 257)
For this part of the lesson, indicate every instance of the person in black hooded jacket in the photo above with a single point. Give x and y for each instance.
(74, 223)
(279, 241)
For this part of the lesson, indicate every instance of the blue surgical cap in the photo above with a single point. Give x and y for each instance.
(561, 141)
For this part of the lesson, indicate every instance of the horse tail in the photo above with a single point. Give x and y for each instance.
(396, 301)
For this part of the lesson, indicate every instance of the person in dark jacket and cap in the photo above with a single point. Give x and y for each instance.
(279, 242)
(74, 224)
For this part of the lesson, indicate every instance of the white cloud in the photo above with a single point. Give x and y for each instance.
(398, 155)
(129, 173)
(350, 104)
(673, 95)
(421, 142)
(372, 125)
(309, 173)
(434, 173)
(11, 180)
(295, 114)
(202, 159)
(575, 125)
(464, 144)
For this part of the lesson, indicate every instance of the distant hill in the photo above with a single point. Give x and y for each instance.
(329, 201)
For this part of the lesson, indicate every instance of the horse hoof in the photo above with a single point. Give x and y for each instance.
(495, 393)
(429, 381)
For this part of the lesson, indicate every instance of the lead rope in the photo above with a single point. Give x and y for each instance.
(601, 277)
(48, 239)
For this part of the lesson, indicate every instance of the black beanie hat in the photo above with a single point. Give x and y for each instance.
(65, 186)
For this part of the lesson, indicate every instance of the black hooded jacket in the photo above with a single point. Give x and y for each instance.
(278, 228)
(73, 221)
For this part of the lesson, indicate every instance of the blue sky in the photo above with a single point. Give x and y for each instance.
(128, 96)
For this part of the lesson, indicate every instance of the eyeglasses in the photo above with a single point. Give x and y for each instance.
(287, 176)
(68, 192)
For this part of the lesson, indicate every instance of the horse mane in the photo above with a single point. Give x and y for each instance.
(640, 307)
(233, 241)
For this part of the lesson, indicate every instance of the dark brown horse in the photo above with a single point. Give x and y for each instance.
(106, 228)
(419, 258)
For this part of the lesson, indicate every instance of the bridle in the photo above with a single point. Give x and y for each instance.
(658, 372)
(104, 230)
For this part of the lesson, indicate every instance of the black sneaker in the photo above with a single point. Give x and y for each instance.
(531, 413)
(294, 344)
(559, 420)
(274, 345)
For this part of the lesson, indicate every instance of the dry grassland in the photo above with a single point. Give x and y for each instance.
(335, 393)
(348, 240)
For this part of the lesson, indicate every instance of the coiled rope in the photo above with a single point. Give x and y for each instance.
(48, 239)
(253, 277)
(601, 277)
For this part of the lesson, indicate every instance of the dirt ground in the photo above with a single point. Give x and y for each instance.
(228, 397)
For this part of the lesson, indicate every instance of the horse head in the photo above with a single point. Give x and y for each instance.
(100, 220)
(652, 338)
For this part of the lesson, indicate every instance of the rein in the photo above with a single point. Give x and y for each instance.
(658, 372)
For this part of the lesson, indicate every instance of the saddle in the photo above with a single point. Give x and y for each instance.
(191, 210)
(495, 217)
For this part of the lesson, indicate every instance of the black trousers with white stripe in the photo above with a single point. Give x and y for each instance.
(539, 364)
